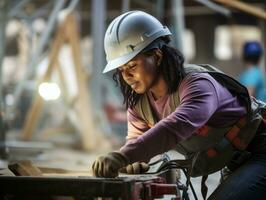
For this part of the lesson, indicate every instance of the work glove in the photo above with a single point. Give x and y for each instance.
(135, 168)
(108, 165)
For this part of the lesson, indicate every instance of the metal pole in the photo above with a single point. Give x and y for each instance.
(3, 22)
(160, 9)
(125, 6)
(98, 29)
(98, 61)
(178, 23)
(73, 4)
(18, 8)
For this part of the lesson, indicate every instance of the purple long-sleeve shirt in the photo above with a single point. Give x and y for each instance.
(202, 101)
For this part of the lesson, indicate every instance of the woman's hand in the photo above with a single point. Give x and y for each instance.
(108, 165)
(135, 168)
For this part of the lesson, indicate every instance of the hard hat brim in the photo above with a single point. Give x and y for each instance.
(115, 63)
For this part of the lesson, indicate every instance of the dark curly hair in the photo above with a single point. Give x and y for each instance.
(171, 67)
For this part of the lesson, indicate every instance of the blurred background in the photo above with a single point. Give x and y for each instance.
(56, 106)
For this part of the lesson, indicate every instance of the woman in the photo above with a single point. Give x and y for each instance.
(197, 110)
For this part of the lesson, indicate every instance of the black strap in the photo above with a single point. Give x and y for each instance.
(204, 188)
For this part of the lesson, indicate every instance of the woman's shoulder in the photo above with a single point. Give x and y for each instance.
(199, 82)
(197, 76)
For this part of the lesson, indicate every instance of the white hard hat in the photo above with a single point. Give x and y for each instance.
(128, 35)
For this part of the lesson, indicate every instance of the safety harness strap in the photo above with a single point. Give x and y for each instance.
(230, 137)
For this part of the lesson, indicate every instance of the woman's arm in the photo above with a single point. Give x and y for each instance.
(199, 101)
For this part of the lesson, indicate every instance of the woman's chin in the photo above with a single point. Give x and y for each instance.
(138, 91)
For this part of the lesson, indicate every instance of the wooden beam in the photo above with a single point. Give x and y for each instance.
(245, 7)
(24, 168)
(27, 168)
(34, 112)
(90, 137)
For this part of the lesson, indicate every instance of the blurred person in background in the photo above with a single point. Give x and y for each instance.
(253, 77)
(195, 109)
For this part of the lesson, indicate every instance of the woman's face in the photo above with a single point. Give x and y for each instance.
(141, 73)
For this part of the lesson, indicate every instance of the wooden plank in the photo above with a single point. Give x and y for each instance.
(91, 137)
(62, 82)
(32, 118)
(35, 110)
(27, 168)
(49, 171)
(24, 168)
(245, 7)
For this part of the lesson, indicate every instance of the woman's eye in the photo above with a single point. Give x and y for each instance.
(129, 67)
(132, 66)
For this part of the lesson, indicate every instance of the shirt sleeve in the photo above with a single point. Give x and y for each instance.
(198, 102)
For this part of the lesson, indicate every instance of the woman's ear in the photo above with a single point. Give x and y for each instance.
(159, 56)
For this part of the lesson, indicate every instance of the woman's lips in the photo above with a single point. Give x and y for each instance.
(134, 85)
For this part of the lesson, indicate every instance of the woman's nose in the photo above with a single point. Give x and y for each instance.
(127, 73)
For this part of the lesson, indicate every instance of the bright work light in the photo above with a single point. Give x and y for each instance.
(49, 91)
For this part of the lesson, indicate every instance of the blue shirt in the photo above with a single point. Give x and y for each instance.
(254, 77)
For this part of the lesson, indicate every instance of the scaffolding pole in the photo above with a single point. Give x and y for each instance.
(3, 22)
(160, 9)
(125, 5)
(98, 62)
(178, 23)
